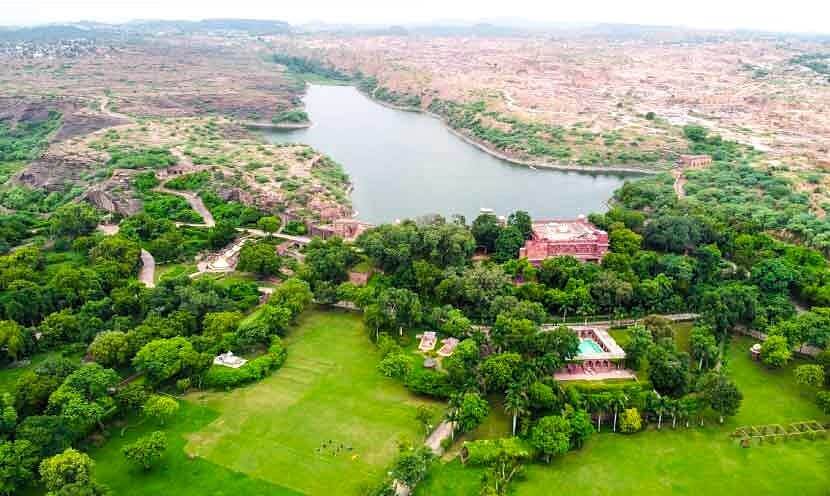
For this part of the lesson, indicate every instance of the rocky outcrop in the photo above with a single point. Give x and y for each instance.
(56, 170)
(237, 195)
(109, 203)
(115, 194)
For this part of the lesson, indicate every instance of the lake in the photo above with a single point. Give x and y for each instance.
(407, 164)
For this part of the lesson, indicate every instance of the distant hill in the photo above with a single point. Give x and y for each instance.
(90, 30)
(49, 33)
(253, 26)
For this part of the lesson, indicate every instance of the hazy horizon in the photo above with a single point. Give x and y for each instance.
(796, 16)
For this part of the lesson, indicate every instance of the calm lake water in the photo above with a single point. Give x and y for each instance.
(406, 164)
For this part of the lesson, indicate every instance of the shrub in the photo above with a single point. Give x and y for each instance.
(823, 400)
(775, 351)
(630, 421)
(194, 181)
(290, 116)
(395, 365)
(428, 382)
(146, 450)
(486, 451)
(221, 377)
(155, 158)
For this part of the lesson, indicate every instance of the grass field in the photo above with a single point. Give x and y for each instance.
(169, 271)
(683, 461)
(9, 375)
(263, 439)
(328, 390)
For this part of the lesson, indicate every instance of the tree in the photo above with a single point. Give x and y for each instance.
(160, 407)
(66, 468)
(329, 260)
(260, 258)
(470, 409)
(668, 371)
(702, 346)
(521, 220)
(110, 348)
(486, 230)
(131, 398)
(676, 233)
(721, 394)
(270, 224)
(47, 433)
(624, 240)
(146, 450)
(506, 246)
(293, 294)
(411, 465)
(163, 359)
(630, 421)
(823, 400)
(551, 436)
(456, 324)
(581, 426)
(639, 342)
(11, 338)
(659, 326)
(219, 323)
(809, 375)
(498, 370)
(393, 309)
(515, 404)
(823, 359)
(775, 351)
(395, 365)
(73, 219)
(17, 462)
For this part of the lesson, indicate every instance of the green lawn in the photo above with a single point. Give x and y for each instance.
(9, 375)
(169, 271)
(328, 390)
(684, 461)
(176, 474)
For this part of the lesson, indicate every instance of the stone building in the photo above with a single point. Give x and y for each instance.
(553, 238)
(695, 161)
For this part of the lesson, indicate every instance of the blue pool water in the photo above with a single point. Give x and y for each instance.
(589, 347)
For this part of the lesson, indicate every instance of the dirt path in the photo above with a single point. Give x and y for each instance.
(679, 183)
(147, 274)
(106, 111)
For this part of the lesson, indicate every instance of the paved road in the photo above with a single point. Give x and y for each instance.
(195, 202)
(147, 274)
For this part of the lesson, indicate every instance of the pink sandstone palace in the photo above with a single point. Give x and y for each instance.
(577, 238)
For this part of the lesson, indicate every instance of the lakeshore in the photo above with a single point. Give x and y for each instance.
(490, 150)
(415, 164)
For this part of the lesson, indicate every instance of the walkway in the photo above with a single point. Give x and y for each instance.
(147, 275)
(196, 204)
(443, 431)
(303, 240)
(596, 376)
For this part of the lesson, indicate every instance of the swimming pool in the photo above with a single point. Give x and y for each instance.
(589, 347)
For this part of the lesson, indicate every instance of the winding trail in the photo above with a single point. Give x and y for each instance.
(196, 204)
(147, 274)
(106, 111)
(679, 183)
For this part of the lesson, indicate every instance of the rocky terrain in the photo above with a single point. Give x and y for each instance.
(751, 88)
